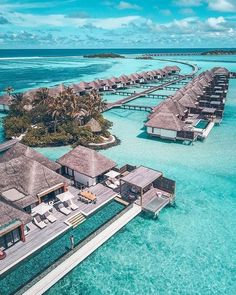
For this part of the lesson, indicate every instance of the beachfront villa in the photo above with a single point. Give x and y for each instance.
(85, 167)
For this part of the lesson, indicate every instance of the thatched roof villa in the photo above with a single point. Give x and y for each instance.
(94, 126)
(12, 222)
(85, 166)
(20, 149)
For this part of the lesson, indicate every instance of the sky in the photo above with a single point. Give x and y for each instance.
(117, 24)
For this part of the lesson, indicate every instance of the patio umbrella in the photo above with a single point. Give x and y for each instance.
(65, 196)
(112, 174)
(42, 208)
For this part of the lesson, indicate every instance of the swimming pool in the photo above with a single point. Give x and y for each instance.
(202, 124)
(44, 258)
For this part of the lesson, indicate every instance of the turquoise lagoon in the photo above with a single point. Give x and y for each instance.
(190, 248)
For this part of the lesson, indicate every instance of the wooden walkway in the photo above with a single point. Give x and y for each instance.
(7, 145)
(144, 93)
(136, 107)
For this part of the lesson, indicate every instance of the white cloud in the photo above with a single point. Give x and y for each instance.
(127, 5)
(59, 20)
(216, 22)
(222, 5)
(188, 3)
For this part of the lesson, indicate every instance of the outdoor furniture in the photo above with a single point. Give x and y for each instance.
(50, 217)
(115, 181)
(110, 184)
(63, 209)
(39, 222)
(88, 195)
(2, 255)
(72, 205)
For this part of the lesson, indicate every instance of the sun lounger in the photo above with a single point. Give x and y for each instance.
(72, 205)
(110, 184)
(63, 209)
(115, 181)
(50, 217)
(39, 222)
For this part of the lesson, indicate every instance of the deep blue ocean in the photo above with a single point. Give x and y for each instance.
(77, 52)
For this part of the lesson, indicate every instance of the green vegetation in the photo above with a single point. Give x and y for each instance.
(144, 57)
(61, 119)
(104, 55)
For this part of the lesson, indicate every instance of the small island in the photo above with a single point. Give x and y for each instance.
(104, 55)
(144, 57)
(219, 52)
(54, 117)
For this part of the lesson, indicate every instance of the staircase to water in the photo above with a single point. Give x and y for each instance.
(76, 220)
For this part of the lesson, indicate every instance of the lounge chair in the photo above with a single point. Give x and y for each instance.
(50, 217)
(110, 184)
(72, 205)
(63, 209)
(39, 222)
(115, 181)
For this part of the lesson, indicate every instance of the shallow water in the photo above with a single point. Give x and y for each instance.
(191, 248)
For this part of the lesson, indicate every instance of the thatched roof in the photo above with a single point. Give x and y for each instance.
(142, 177)
(5, 99)
(220, 70)
(166, 120)
(20, 149)
(76, 88)
(94, 125)
(23, 177)
(86, 161)
(187, 101)
(54, 91)
(9, 214)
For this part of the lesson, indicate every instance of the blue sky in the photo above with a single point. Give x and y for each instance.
(117, 24)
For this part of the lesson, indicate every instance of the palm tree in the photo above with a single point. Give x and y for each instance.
(41, 97)
(9, 90)
(56, 109)
(18, 102)
(93, 103)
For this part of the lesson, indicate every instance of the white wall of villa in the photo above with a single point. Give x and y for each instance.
(84, 179)
(164, 133)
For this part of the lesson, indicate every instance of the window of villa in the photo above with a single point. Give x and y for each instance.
(10, 239)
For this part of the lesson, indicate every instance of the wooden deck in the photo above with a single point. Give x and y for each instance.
(153, 203)
(103, 193)
(37, 238)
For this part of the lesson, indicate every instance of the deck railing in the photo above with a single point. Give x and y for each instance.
(71, 252)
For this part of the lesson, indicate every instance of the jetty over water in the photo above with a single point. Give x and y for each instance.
(146, 93)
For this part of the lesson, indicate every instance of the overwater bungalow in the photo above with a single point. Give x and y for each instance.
(148, 188)
(78, 90)
(86, 86)
(84, 166)
(54, 91)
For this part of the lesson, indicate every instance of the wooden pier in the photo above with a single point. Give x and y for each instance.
(136, 107)
(7, 145)
(146, 93)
